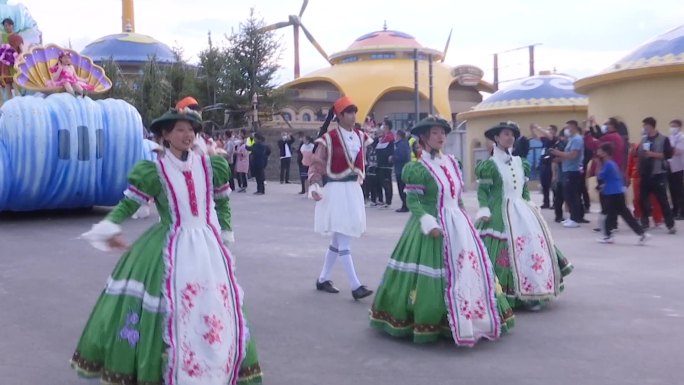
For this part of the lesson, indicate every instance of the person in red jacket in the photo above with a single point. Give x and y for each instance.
(635, 179)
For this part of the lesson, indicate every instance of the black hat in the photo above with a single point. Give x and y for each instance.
(494, 131)
(173, 115)
(429, 122)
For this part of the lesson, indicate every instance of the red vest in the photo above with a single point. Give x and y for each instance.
(339, 164)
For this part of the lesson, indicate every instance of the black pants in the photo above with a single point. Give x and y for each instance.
(586, 201)
(656, 185)
(558, 200)
(676, 183)
(371, 183)
(401, 185)
(615, 205)
(285, 170)
(385, 184)
(232, 176)
(303, 176)
(612, 224)
(545, 176)
(242, 179)
(572, 191)
(260, 176)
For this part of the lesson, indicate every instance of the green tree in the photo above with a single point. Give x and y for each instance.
(122, 88)
(181, 76)
(153, 92)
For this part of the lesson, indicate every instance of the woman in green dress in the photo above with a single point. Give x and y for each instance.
(527, 263)
(172, 311)
(439, 281)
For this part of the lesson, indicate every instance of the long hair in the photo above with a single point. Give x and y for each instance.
(326, 123)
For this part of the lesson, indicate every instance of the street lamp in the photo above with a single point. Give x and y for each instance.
(255, 122)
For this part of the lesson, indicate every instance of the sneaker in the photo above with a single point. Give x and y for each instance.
(560, 220)
(583, 221)
(606, 240)
(570, 224)
(643, 238)
(672, 230)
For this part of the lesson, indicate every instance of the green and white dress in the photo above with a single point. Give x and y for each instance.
(172, 311)
(529, 266)
(442, 287)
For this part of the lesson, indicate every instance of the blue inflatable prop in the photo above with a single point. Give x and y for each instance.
(66, 152)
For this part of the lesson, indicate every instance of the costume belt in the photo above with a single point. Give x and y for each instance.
(349, 178)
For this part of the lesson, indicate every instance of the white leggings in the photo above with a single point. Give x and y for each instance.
(340, 245)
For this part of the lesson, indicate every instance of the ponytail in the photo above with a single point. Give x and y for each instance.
(328, 119)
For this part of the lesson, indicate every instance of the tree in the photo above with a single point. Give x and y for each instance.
(153, 92)
(122, 88)
(252, 56)
(181, 76)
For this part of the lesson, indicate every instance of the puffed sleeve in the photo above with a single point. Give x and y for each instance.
(221, 181)
(526, 170)
(144, 186)
(414, 176)
(317, 169)
(485, 182)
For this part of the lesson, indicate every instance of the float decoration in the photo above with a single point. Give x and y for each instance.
(35, 69)
(24, 24)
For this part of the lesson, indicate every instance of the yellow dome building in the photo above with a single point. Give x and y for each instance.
(544, 99)
(377, 72)
(647, 82)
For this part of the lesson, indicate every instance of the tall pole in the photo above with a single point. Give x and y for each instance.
(296, 51)
(415, 86)
(430, 82)
(496, 72)
(531, 60)
(127, 16)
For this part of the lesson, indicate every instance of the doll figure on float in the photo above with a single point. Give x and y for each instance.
(64, 75)
(9, 53)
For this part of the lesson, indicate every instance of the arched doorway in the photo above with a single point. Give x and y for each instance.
(399, 107)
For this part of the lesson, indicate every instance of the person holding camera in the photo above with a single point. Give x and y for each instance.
(571, 167)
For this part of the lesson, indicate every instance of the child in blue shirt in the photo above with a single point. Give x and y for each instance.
(614, 194)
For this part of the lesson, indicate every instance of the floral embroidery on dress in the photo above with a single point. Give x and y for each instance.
(128, 332)
(542, 241)
(538, 262)
(520, 243)
(223, 288)
(527, 286)
(190, 364)
(502, 260)
(215, 328)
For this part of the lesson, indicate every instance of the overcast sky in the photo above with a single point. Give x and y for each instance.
(579, 37)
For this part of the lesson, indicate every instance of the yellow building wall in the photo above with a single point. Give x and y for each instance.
(633, 100)
(476, 128)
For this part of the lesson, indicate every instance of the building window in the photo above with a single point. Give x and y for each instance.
(306, 117)
(350, 59)
(383, 55)
(287, 117)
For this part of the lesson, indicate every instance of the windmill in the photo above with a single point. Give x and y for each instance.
(446, 47)
(296, 23)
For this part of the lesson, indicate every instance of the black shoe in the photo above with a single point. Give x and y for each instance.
(402, 210)
(327, 287)
(545, 207)
(559, 220)
(679, 218)
(258, 193)
(598, 230)
(583, 221)
(302, 192)
(361, 292)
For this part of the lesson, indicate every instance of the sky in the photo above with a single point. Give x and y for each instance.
(579, 37)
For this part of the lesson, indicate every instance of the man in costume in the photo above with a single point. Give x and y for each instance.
(335, 177)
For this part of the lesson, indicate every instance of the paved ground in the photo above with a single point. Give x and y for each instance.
(619, 321)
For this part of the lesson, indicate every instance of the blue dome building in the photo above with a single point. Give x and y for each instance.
(544, 99)
(646, 82)
(129, 50)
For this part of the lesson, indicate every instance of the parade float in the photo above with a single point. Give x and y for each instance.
(59, 148)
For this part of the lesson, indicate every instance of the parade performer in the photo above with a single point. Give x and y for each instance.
(202, 146)
(439, 280)
(64, 75)
(529, 266)
(335, 178)
(172, 310)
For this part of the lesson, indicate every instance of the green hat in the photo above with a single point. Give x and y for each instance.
(494, 131)
(429, 122)
(174, 115)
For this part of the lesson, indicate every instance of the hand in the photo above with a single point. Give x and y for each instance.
(117, 243)
(316, 196)
(435, 233)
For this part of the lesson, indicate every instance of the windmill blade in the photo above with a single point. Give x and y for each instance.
(275, 26)
(446, 47)
(304, 4)
(314, 42)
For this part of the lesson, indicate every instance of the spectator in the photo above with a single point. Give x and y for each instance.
(653, 153)
(549, 139)
(635, 182)
(260, 154)
(285, 146)
(402, 156)
(676, 169)
(307, 152)
(385, 151)
(242, 162)
(572, 173)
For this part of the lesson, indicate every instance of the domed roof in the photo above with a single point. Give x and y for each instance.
(385, 39)
(394, 43)
(128, 47)
(536, 91)
(665, 49)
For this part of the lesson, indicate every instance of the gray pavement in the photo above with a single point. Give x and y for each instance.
(619, 321)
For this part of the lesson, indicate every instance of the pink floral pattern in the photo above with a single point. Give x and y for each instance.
(527, 286)
(520, 243)
(215, 326)
(188, 294)
(503, 260)
(190, 364)
(542, 241)
(223, 289)
(537, 262)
